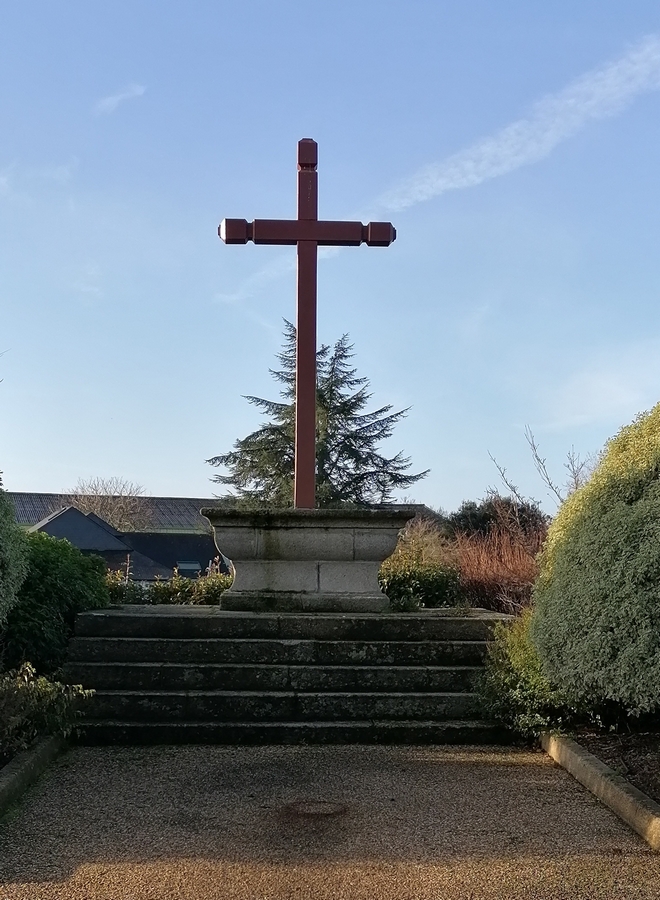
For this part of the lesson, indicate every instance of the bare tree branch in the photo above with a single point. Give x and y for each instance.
(540, 465)
(117, 501)
(579, 470)
(515, 491)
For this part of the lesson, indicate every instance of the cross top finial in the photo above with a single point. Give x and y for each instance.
(308, 154)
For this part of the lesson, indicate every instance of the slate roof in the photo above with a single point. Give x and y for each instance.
(166, 514)
(152, 554)
(85, 532)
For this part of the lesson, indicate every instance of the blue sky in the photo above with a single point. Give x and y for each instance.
(515, 147)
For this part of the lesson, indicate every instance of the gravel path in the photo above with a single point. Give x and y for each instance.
(361, 823)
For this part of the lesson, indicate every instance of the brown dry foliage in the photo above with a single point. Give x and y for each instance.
(498, 569)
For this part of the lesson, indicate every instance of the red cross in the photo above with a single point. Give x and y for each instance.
(308, 232)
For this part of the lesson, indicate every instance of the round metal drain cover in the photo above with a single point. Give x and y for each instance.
(315, 808)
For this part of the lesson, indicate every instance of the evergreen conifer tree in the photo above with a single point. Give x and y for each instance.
(349, 468)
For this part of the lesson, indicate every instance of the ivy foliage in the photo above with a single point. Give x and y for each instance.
(596, 620)
(350, 470)
(31, 706)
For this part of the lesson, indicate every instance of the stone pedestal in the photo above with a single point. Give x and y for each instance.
(311, 560)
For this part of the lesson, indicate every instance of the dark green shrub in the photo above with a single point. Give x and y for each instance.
(411, 585)
(32, 707)
(493, 512)
(13, 556)
(61, 582)
(513, 688)
(596, 620)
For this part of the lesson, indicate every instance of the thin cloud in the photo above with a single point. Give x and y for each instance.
(598, 94)
(60, 174)
(613, 387)
(109, 104)
(17, 180)
(281, 266)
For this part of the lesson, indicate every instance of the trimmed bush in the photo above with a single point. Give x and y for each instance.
(410, 585)
(13, 557)
(596, 620)
(514, 689)
(61, 582)
(32, 707)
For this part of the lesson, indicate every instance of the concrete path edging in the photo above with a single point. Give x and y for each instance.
(630, 804)
(24, 769)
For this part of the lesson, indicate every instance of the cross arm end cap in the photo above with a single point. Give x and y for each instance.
(235, 231)
(379, 234)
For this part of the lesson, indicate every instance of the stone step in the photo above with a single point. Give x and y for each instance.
(240, 733)
(282, 652)
(207, 622)
(281, 706)
(208, 676)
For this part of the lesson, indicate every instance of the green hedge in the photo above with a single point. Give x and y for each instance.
(596, 620)
(514, 690)
(13, 557)
(411, 585)
(61, 582)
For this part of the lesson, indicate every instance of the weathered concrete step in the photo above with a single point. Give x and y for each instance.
(209, 676)
(282, 706)
(239, 733)
(283, 652)
(206, 622)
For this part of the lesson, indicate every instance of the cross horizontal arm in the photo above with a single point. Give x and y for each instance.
(290, 231)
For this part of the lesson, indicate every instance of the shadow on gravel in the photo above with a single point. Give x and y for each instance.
(309, 806)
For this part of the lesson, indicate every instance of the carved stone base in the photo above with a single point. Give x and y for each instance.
(312, 560)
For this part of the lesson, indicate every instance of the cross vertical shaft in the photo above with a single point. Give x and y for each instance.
(305, 407)
(308, 233)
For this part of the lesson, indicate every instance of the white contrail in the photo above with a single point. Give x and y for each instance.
(109, 104)
(598, 94)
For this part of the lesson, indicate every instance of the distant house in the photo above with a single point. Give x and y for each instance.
(178, 536)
